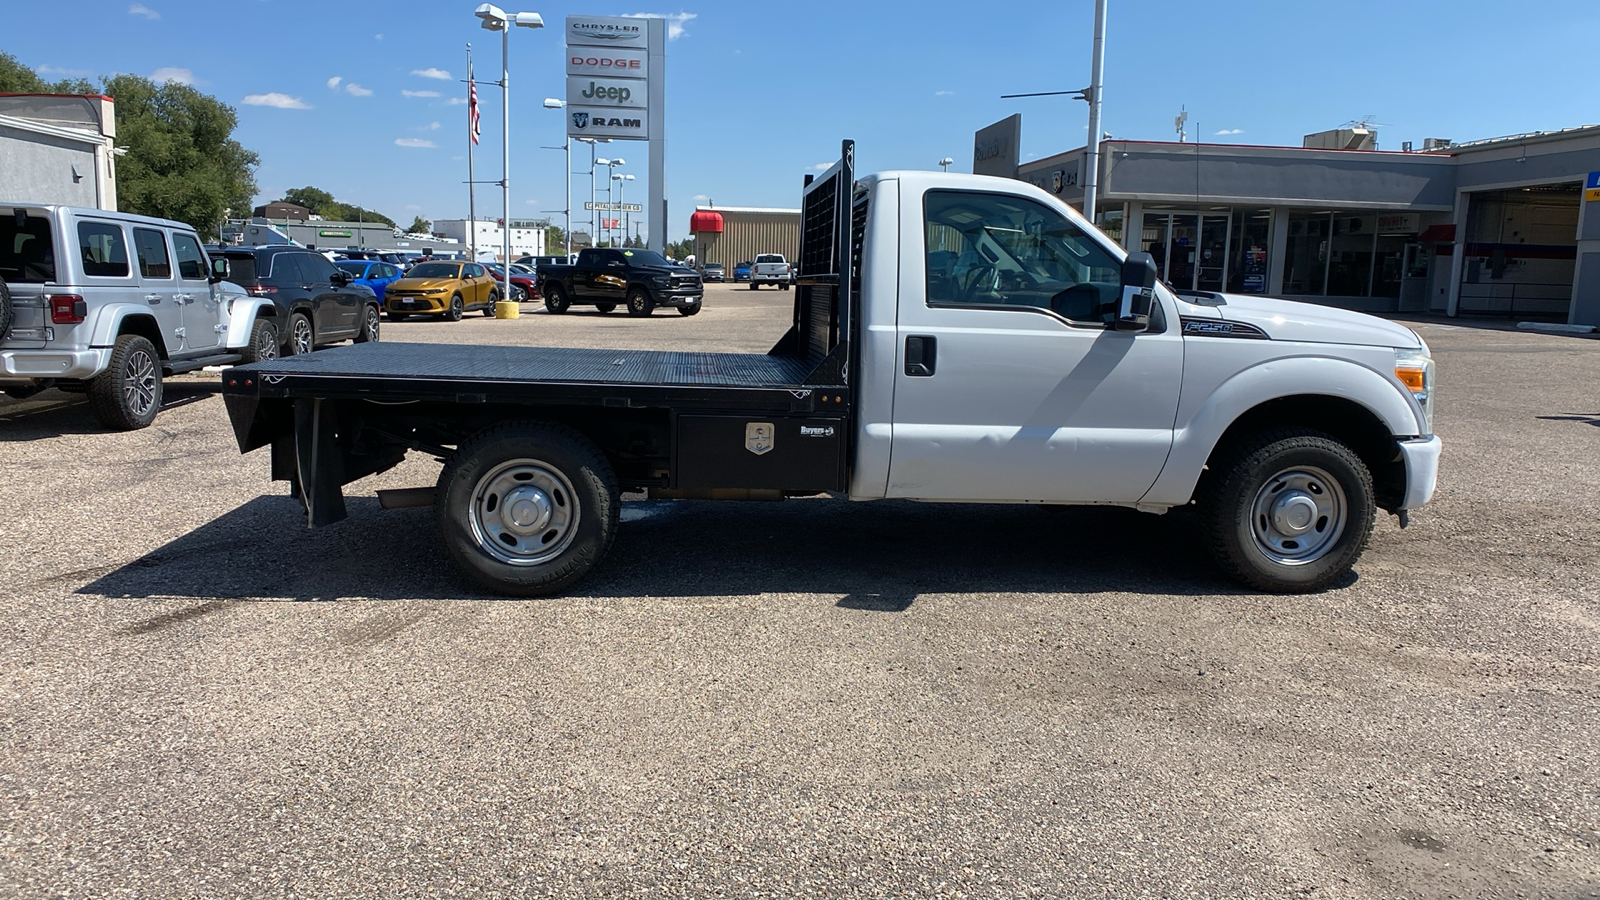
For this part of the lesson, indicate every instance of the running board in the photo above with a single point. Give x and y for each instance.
(181, 366)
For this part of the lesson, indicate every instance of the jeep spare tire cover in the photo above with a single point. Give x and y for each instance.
(6, 315)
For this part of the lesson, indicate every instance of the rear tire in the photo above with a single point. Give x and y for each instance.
(302, 337)
(1288, 510)
(127, 395)
(555, 299)
(754, 286)
(527, 508)
(370, 323)
(263, 342)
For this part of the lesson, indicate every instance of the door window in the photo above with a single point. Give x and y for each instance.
(474, 271)
(317, 268)
(997, 250)
(191, 261)
(105, 255)
(152, 249)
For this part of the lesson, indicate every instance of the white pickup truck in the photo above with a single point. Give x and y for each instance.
(955, 338)
(769, 268)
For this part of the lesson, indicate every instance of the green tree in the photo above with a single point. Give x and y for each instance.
(681, 249)
(16, 78)
(322, 203)
(419, 225)
(182, 161)
(555, 240)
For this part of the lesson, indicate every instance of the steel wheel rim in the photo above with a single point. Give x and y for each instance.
(302, 336)
(1298, 515)
(267, 344)
(372, 323)
(139, 383)
(524, 512)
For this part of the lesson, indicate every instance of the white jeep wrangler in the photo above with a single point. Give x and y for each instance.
(109, 303)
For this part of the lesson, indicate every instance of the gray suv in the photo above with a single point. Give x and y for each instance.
(107, 304)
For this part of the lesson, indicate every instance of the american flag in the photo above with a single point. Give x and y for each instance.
(473, 129)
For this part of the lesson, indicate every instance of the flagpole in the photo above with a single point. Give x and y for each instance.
(472, 189)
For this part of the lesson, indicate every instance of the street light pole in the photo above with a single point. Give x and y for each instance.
(493, 18)
(553, 103)
(1091, 181)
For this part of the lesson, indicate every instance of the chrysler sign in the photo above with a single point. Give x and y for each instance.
(604, 31)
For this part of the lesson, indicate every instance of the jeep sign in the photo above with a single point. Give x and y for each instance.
(628, 92)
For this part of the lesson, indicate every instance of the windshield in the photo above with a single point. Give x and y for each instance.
(358, 269)
(637, 258)
(435, 270)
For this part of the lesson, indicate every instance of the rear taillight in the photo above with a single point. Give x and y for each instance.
(263, 290)
(67, 309)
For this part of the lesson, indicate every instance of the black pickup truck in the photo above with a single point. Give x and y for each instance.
(607, 278)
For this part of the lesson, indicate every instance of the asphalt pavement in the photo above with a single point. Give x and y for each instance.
(201, 698)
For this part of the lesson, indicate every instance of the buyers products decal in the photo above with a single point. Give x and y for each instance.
(758, 437)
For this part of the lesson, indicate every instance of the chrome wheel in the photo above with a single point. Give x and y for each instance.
(372, 323)
(266, 344)
(139, 377)
(1298, 515)
(301, 337)
(524, 512)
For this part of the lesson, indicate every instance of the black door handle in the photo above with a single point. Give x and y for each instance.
(921, 355)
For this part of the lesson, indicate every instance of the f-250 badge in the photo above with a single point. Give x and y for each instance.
(758, 437)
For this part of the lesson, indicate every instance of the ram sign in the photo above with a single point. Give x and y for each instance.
(607, 122)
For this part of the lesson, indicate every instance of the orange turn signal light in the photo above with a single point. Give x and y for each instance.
(1412, 378)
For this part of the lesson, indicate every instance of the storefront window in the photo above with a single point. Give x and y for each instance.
(1305, 259)
(1211, 258)
(1350, 265)
(1110, 221)
(1247, 263)
(1389, 269)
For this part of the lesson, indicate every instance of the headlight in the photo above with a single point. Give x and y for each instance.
(1414, 368)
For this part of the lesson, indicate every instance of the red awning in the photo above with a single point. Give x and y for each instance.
(705, 221)
(1438, 234)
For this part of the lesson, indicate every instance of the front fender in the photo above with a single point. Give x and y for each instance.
(242, 313)
(1197, 434)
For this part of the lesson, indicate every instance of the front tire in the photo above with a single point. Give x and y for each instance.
(398, 317)
(127, 395)
(263, 342)
(527, 508)
(456, 308)
(370, 321)
(640, 302)
(690, 309)
(555, 299)
(605, 307)
(1289, 511)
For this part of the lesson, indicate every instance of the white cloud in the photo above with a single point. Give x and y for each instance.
(431, 126)
(377, 37)
(675, 21)
(333, 83)
(533, 202)
(172, 73)
(822, 167)
(279, 101)
(438, 74)
(66, 73)
(419, 93)
(415, 142)
(456, 101)
(1231, 131)
(412, 207)
(700, 197)
(356, 90)
(139, 9)
(943, 93)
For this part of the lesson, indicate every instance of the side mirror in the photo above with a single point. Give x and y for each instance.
(1138, 292)
(341, 277)
(220, 270)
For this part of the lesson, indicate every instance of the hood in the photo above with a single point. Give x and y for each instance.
(1289, 320)
(423, 284)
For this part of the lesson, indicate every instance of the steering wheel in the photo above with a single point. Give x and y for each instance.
(980, 275)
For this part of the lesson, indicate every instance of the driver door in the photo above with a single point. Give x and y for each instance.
(1011, 385)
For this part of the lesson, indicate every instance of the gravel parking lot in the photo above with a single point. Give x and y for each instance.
(199, 697)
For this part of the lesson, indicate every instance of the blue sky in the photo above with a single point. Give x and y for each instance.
(356, 97)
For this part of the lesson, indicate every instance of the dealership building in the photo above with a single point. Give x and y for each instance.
(1507, 226)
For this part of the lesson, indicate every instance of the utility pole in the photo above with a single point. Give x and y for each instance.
(1091, 182)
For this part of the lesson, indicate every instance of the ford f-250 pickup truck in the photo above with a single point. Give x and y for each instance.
(954, 338)
(606, 278)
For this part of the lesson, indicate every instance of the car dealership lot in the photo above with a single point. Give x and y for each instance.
(200, 697)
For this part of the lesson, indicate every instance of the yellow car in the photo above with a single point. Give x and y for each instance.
(445, 289)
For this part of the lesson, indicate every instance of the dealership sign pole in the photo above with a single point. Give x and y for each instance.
(616, 89)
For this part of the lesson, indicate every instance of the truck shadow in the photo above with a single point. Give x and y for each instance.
(879, 557)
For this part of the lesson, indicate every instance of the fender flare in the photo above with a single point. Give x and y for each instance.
(110, 319)
(243, 311)
(1195, 439)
